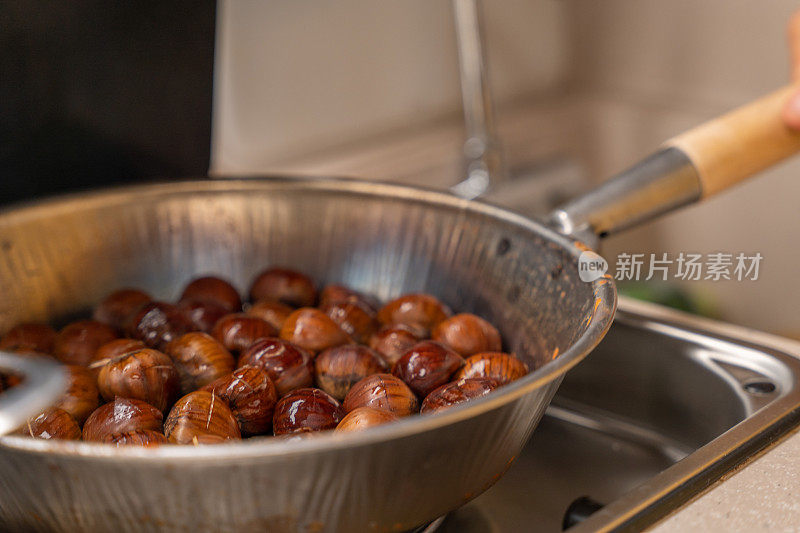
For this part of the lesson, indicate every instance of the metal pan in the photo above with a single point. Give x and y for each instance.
(62, 255)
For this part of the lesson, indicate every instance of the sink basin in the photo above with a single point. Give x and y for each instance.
(665, 406)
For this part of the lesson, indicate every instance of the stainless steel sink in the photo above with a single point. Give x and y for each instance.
(661, 410)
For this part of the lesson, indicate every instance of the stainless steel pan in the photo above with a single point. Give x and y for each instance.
(61, 256)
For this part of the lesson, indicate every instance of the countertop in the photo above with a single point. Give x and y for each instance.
(762, 495)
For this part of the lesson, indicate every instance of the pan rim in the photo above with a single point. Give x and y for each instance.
(604, 306)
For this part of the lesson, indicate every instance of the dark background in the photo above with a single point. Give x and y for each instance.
(99, 93)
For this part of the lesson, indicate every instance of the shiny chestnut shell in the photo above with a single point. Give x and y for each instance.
(418, 310)
(467, 334)
(313, 330)
(199, 359)
(338, 369)
(285, 286)
(384, 392)
(457, 392)
(306, 410)
(213, 289)
(202, 314)
(500, 366)
(117, 307)
(53, 423)
(341, 293)
(275, 313)
(353, 318)
(392, 342)
(363, 418)
(198, 415)
(77, 342)
(119, 416)
(251, 395)
(145, 374)
(111, 350)
(157, 324)
(288, 366)
(29, 338)
(142, 437)
(238, 331)
(426, 366)
(81, 397)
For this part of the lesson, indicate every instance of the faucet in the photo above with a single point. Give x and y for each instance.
(482, 154)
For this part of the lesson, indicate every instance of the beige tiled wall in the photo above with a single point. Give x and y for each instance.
(661, 67)
(697, 52)
(295, 77)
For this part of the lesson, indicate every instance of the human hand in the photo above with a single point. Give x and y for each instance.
(791, 111)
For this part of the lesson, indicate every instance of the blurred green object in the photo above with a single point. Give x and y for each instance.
(671, 295)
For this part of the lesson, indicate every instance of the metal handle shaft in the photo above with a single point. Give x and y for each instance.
(658, 184)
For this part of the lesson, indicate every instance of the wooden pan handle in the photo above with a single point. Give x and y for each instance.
(694, 165)
(733, 147)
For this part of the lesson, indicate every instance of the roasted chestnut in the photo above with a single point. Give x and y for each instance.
(353, 318)
(457, 392)
(120, 416)
(363, 418)
(141, 437)
(81, 397)
(53, 423)
(147, 375)
(238, 331)
(467, 334)
(392, 342)
(313, 330)
(384, 392)
(29, 338)
(306, 410)
(157, 324)
(285, 286)
(340, 293)
(199, 359)
(289, 366)
(500, 366)
(426, 366)
(251, 395)
(202, 314)
(275, 313)
(78, 341)
(420, 310)
(198, 415)
(415, 351)
(213, 289)
(115, 309)
(338, 369)
(111, 350)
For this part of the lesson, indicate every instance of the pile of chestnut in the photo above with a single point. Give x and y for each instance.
(207, 369)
